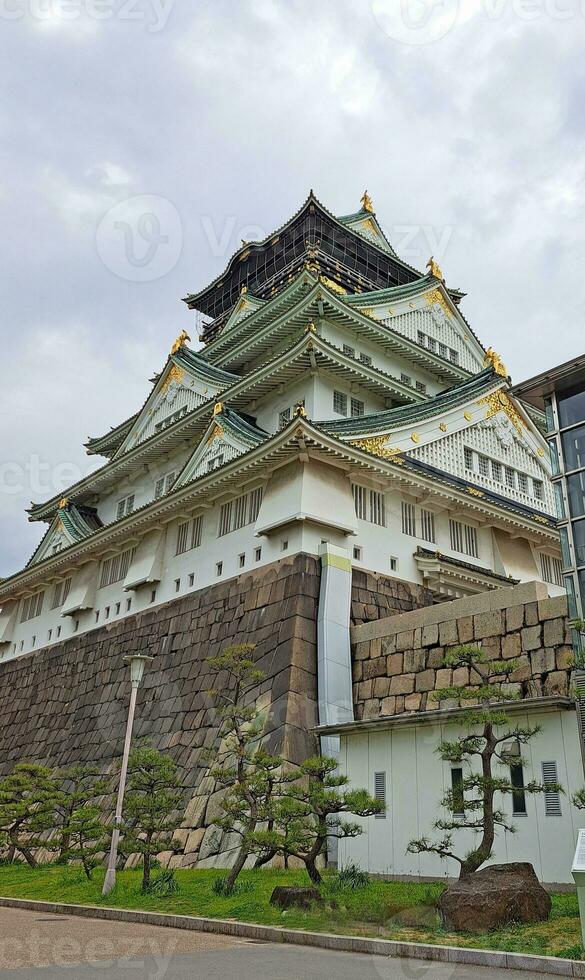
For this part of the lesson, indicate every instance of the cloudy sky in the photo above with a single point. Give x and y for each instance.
(142, 139)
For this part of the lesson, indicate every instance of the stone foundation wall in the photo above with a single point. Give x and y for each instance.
(376, 596)
(397, 662)
(68, 703)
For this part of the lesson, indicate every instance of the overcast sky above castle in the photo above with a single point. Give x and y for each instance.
(202, 123)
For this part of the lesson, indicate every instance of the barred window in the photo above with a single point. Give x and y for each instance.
(443, 350)
(255, 502)
(432, 344)
(339, 403)
(406, 379)
(421, 386)
(377, 508)
(453, 356)
(348, 351)
(225, 518)
(283, 418)
(182, 537)
(552, 569)
(196, 531)
(366, 359)
(510, 477)
(468, 457)
(496, 471)
(421, 338)
(552, 796)
(484, 465)
(115, 569)
(463, 538)
(240, 512)
(357, 408)
(360, 501)
(32, 607)
(523, 482)
(427, 519)
(408, 519)
(215, 463)
(60, 593)
(538, 489)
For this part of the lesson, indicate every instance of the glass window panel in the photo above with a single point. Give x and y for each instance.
(572, 603)
(578, 541)
(550, 418)
(581, 576)
(566, 551)
(576, 490)
(554, 457)
(573, 449)
(559, 501)
(571, 406)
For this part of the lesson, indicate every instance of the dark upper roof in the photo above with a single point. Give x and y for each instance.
(472, 387)
(315, 236)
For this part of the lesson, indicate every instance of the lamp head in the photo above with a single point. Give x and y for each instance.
(137, 665)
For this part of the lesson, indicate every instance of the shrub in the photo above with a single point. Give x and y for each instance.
(352, 876)
(163, 883)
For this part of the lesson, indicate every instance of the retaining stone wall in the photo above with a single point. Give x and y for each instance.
(397, 662)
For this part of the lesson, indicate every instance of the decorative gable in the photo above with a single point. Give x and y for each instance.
(227, 437)
(71, 524)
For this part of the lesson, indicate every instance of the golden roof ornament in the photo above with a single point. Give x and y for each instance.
(180, 341)
(310, 328)
(63, 502)
(218, 408)
(494, 360)
(434, 268)
(300, 411)
(366, 203)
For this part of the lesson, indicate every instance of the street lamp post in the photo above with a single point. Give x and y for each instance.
(137, 665)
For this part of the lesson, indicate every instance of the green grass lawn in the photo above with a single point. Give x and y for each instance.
(369, 911)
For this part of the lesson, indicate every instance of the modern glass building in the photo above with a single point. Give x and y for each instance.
(560, 394)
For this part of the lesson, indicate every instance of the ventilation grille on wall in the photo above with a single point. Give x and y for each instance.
(380, 792)
(552, 797)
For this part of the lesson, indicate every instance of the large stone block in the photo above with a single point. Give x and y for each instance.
(487, 624)
(531, 638)
(402, 684)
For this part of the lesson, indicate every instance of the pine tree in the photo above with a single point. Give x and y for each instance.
(80, 786)
(250, 776)
(86, 837)
(489, 731)
(152, 807)
(307, 813)
(28, 796)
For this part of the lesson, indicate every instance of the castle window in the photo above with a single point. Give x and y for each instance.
(357, 553)
(357, 408)
(348, 351)
(215, 463)
(538, 489)
(225, 518)
(33, 642)
(463, 538)
(284, 545)
(377, 508)
(107, 612)
(552, 569)
(58, 632)
(483, 465)
(115, 569)
(339, 403)
(421, 386)
(366, 359)
(117, 609)
(182, 537)
(406, 379)
(60, 593)
(257, 554)
(408, 519)
(153, 595)
(163, 485)
(196, 531)
(242, 560)
(360, 501)
(427, 519)
(453, 356)
(128, 605)
(432, 344)
(510, 477)
(125, 507)
(497, 471)
(240, 512)
(219, 568)
(468, 457)
(283, 418)
(191, 579)
(443, 350)
(32, 607)
(49, 635)
(255, 502)
(177, 585)
(393, 564)
(421, 338)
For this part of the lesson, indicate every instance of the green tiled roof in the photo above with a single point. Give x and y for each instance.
(394, 418)
(196, 361)
(242, 427)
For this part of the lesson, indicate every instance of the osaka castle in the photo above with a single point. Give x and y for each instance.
(336, 403)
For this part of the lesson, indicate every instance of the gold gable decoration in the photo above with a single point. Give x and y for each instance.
(334, 286)
(378, 446)
(434, 268)
(216, 433)
(176, 374)
(366, 202)
(436, 296)
(492, 359)
(180, 341)
(499, 401)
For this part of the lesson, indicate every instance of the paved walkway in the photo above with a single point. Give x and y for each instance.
(37, 946)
